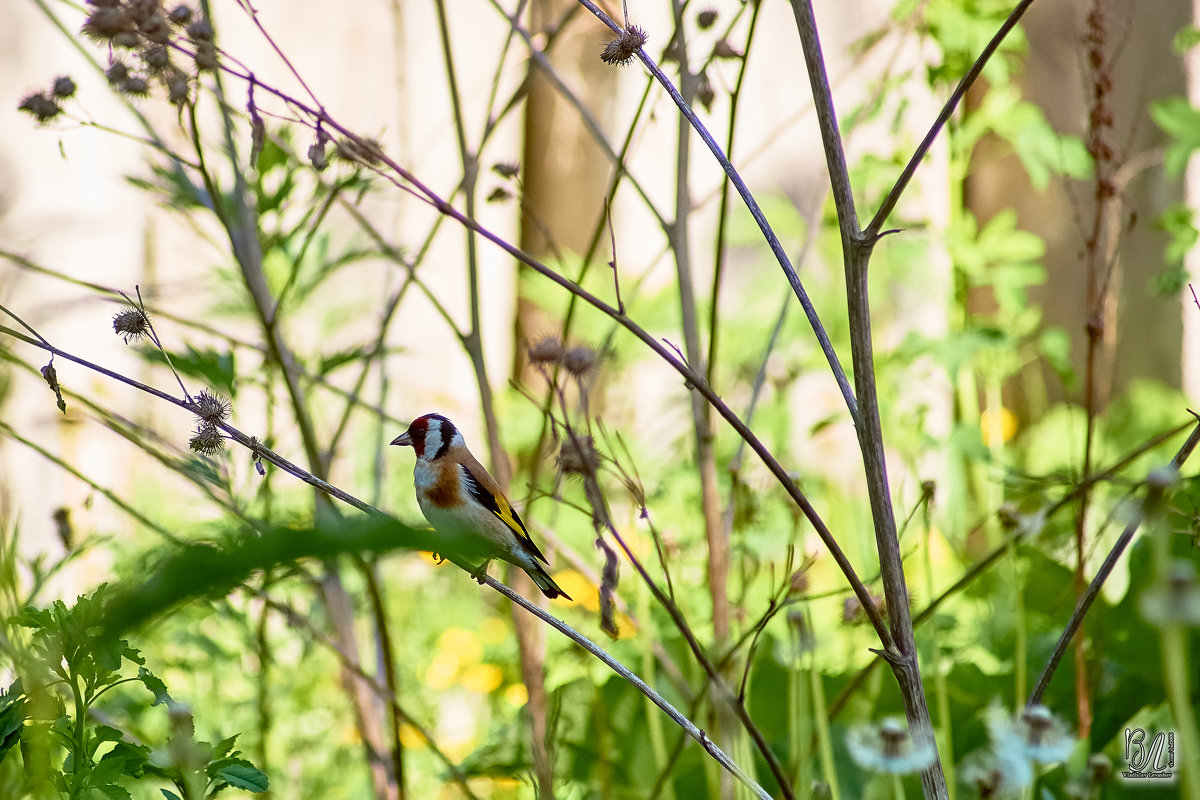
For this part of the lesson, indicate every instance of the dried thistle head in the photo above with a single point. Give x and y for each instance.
(620, 50)
(723, 49)
(364, 151)
(546, 350)
(132, 323)
(180, 14)
(156, 29)
(506, 169)
(499, 195)
(106, 22)
(178, 86)
(212, 408)
(578, 456)
(135, 86)
(41, 105)
(156, 57)
(705, 92)
(63, 87)
(117, 72)
(206, 56)
(200, 31)
(706, 18)
(579, 360)
(207, 440)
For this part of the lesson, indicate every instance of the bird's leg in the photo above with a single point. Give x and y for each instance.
(481, 572)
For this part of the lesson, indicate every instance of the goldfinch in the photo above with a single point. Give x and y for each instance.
(464, 504)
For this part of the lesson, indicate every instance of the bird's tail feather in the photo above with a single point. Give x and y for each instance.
(546, 583)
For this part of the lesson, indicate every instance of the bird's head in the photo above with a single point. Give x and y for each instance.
(430, 436)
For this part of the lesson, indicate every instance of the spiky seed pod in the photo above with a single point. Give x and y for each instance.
(177, 85)
(200, 31)
(156, 29)
(106, 22)
(212, 408)
(207, 440)
(117, 72)
(578, 456)
(620, 50)
(706, 18)
(363, 151)
(723, 49)
(156, 57)
(135, 86)
(206, 56)
(579, 361)
(41, 106)
(180, 14)
(132, 323)
(142, 10)
(498, 195)
(546, 351)
(63, 87)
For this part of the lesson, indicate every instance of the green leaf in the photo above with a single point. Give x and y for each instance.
(12, 717)
(1180, 120)
(107, 771)
(155, 685)
(1187, 38)
(114, 792)
(225, 746)
(214, 367)
(239, 774)
(167, 793)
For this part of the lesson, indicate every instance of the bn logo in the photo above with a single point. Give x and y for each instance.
(1153, 759)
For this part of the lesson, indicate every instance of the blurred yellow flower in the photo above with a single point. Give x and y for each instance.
(463, 642)
(517, 694)
(443, 669)
(493, 630)
(482, 678)
(997, 425)
(411, 738)
(575, 584)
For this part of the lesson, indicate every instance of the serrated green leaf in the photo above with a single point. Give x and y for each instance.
(155, 685)
(241, 774)
(114, 792)
(107, 771)
(225, 746)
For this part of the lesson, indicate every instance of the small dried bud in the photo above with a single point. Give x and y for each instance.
(180, 14)
(132, 323)
(258, 134)
(506, 169)
(156, 29)
(117, 72)
(177, 86)
(51, 376)
(206, 56)
(723, 49)
(207, 440)
(41, 105)
(63, 87)
(620, 51)
(498, 195)
(546, 351)
(211, 408)
(579, 361)
(135, 86)
(363, 151)
(200, 31)
(316, 151)
(578, 455)
(156, 57)
(852, 610)
(705, 92)
(706, 18)
(106, 22)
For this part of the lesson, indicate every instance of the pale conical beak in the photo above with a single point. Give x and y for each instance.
(404, 440)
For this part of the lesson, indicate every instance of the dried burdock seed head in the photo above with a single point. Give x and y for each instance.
(723, 49)
(579, 361)
(363, 151)
(117, 72)
(177, 85)
(40, 105)
(207, 440)
(104, 3)
(200, 31)
(546, 350)
(212, 408)
(706, 18)
(620, 51)
(180, 14)
(705, 92)
(135, 86)
(63, 87)
(127, 40)
(106, 22)
(132, 323)
(506, 169)
(498, 195)
(142, 10)
(206, 56)
(156, 29)
(156, 57)
(578, 455)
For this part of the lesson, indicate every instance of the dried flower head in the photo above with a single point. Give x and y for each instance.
(156, 29)
(887, 747)
(156, 57)
(142, 10)
(578, 456)
(117, 72)
(106, 22)
(41, 105)
(206, 56)
(705, 92)
(499, 195)
(546, 350)
(180, 14)
(620, 50)
(361, 151)
(178, 86)
(317, 151)
(132, 323)
(212, 408)
(852, 610)
(579, 360)
(126, 39)
(135, 86)
(723, 49)
(207, 440)
(200, 31)
(506, 169)
(803, 639)
(1035, 734)
(706, 18)
(63, 87)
